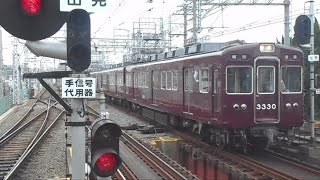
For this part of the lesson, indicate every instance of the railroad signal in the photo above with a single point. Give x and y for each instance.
(31, 19)
(78, 40)
(105, 159)
(302, 29)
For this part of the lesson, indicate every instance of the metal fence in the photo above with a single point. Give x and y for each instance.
(5, 104)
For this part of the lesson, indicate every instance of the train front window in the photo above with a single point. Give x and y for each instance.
(291, 79)
(239, 80)
(266, 80)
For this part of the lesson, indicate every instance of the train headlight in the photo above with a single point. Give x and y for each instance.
(286, 57)
(295, 105)
(243, 106)
(244, 57)
(234, 57)
(236, 106)
(288, 106)
(266, 47)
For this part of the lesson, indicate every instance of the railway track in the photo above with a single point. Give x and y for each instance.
(249, 167)
(166, 168)
(17, 143)
(124, 173)
(239, 165)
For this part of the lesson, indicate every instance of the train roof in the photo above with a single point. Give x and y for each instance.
(201, 51)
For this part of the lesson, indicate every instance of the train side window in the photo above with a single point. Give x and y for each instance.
(111, 79)
(101, 80)
(291, 79)
(104, 79)
(163, 80)
(128, 79)
(204, 81)
(186, 80)
(175, 80)
(169, 80)
(136, 77)
(154, 80)
(119, 78)
(239, 80)
(144, 79)
(215, 79)
(139, 79)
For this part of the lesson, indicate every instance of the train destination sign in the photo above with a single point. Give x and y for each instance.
(88, 5)
(78, 87)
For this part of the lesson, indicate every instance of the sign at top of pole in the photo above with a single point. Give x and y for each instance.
(93, 6)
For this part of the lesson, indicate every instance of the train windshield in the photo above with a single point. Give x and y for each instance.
(291, 79)
(266, 79)
(239, 80)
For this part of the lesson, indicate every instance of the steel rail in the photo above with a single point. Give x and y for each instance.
(13, 152)
(95, 112)
(257, 167)
(125, 173)
(42, 125)
(28, 152)
(22, 118)
(19, 121)
(21, 128)
(162, 167)
(299, 164)
(247, 166)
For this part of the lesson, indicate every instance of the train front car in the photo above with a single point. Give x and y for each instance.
(263, 92)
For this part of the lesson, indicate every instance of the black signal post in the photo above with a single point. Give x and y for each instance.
(78, 40)
(105, 159)
(31, 19)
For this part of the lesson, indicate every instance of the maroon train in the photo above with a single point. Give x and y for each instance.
(237, 95)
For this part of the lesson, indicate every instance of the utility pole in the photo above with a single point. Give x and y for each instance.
(194, 20)
(1, 66)
(15, 72)
(185, 23)
(286, 22)
(312, 89)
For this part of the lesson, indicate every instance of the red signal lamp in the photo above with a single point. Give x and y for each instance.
(107, 162)
(31, 7)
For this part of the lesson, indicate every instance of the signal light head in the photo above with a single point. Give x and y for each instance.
(31, 7)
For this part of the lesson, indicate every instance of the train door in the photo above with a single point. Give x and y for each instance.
(152, 88)
(267, 95)
(124, 81)
(187, 89)
(215, 93)
(133, 84)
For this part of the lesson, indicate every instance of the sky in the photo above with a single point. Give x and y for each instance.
(237, 22)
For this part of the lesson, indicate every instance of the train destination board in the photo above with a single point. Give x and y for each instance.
(78, 87)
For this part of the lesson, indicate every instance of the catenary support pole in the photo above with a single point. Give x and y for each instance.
(312, 89)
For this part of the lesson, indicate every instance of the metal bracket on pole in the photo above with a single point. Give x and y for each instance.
(56, 74)
(55, 95)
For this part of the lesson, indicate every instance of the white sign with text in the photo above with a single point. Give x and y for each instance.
(78, 87)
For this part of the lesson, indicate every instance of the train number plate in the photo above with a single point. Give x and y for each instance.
(266, 106)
